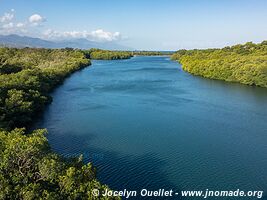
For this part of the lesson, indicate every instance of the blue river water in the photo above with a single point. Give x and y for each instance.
(145, 123)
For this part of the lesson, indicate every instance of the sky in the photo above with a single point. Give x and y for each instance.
(139, 24)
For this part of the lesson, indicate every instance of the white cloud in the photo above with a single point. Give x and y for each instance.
(36, 19)
(105, 36)
(8, 25)
(20, 25)
(7, 17)
(98, 35)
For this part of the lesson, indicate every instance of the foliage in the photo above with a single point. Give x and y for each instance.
(151, 53)
(29, 170)
(26, 77)
(245, 64)
(99, 54)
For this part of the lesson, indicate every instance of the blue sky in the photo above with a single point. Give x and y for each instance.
(140, 24)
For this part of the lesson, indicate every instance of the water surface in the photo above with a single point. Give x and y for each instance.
(147, 124)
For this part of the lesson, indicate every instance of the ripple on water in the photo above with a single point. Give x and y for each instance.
(145, 123)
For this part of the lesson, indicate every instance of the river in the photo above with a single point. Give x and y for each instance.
(145, 123)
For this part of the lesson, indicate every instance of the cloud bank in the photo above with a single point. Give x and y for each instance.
(7, 17)
(9, 25)
(98, 35)
(33, 27)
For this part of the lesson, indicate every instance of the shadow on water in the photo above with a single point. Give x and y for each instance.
(119, 172)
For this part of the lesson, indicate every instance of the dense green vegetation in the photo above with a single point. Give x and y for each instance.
(151, 53)
(26, 77)
(245, 64)
(28, 168)
(99, 54)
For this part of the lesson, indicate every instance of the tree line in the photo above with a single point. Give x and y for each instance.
(100, 54)
(28, 167)
(246, 64)
(151, 53)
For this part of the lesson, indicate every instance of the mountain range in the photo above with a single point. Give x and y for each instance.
(81, 43)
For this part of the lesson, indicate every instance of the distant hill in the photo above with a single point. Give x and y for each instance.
(25, 41)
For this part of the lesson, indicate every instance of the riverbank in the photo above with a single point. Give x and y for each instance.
(246, 64)
(100, 54)
(28, 168)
